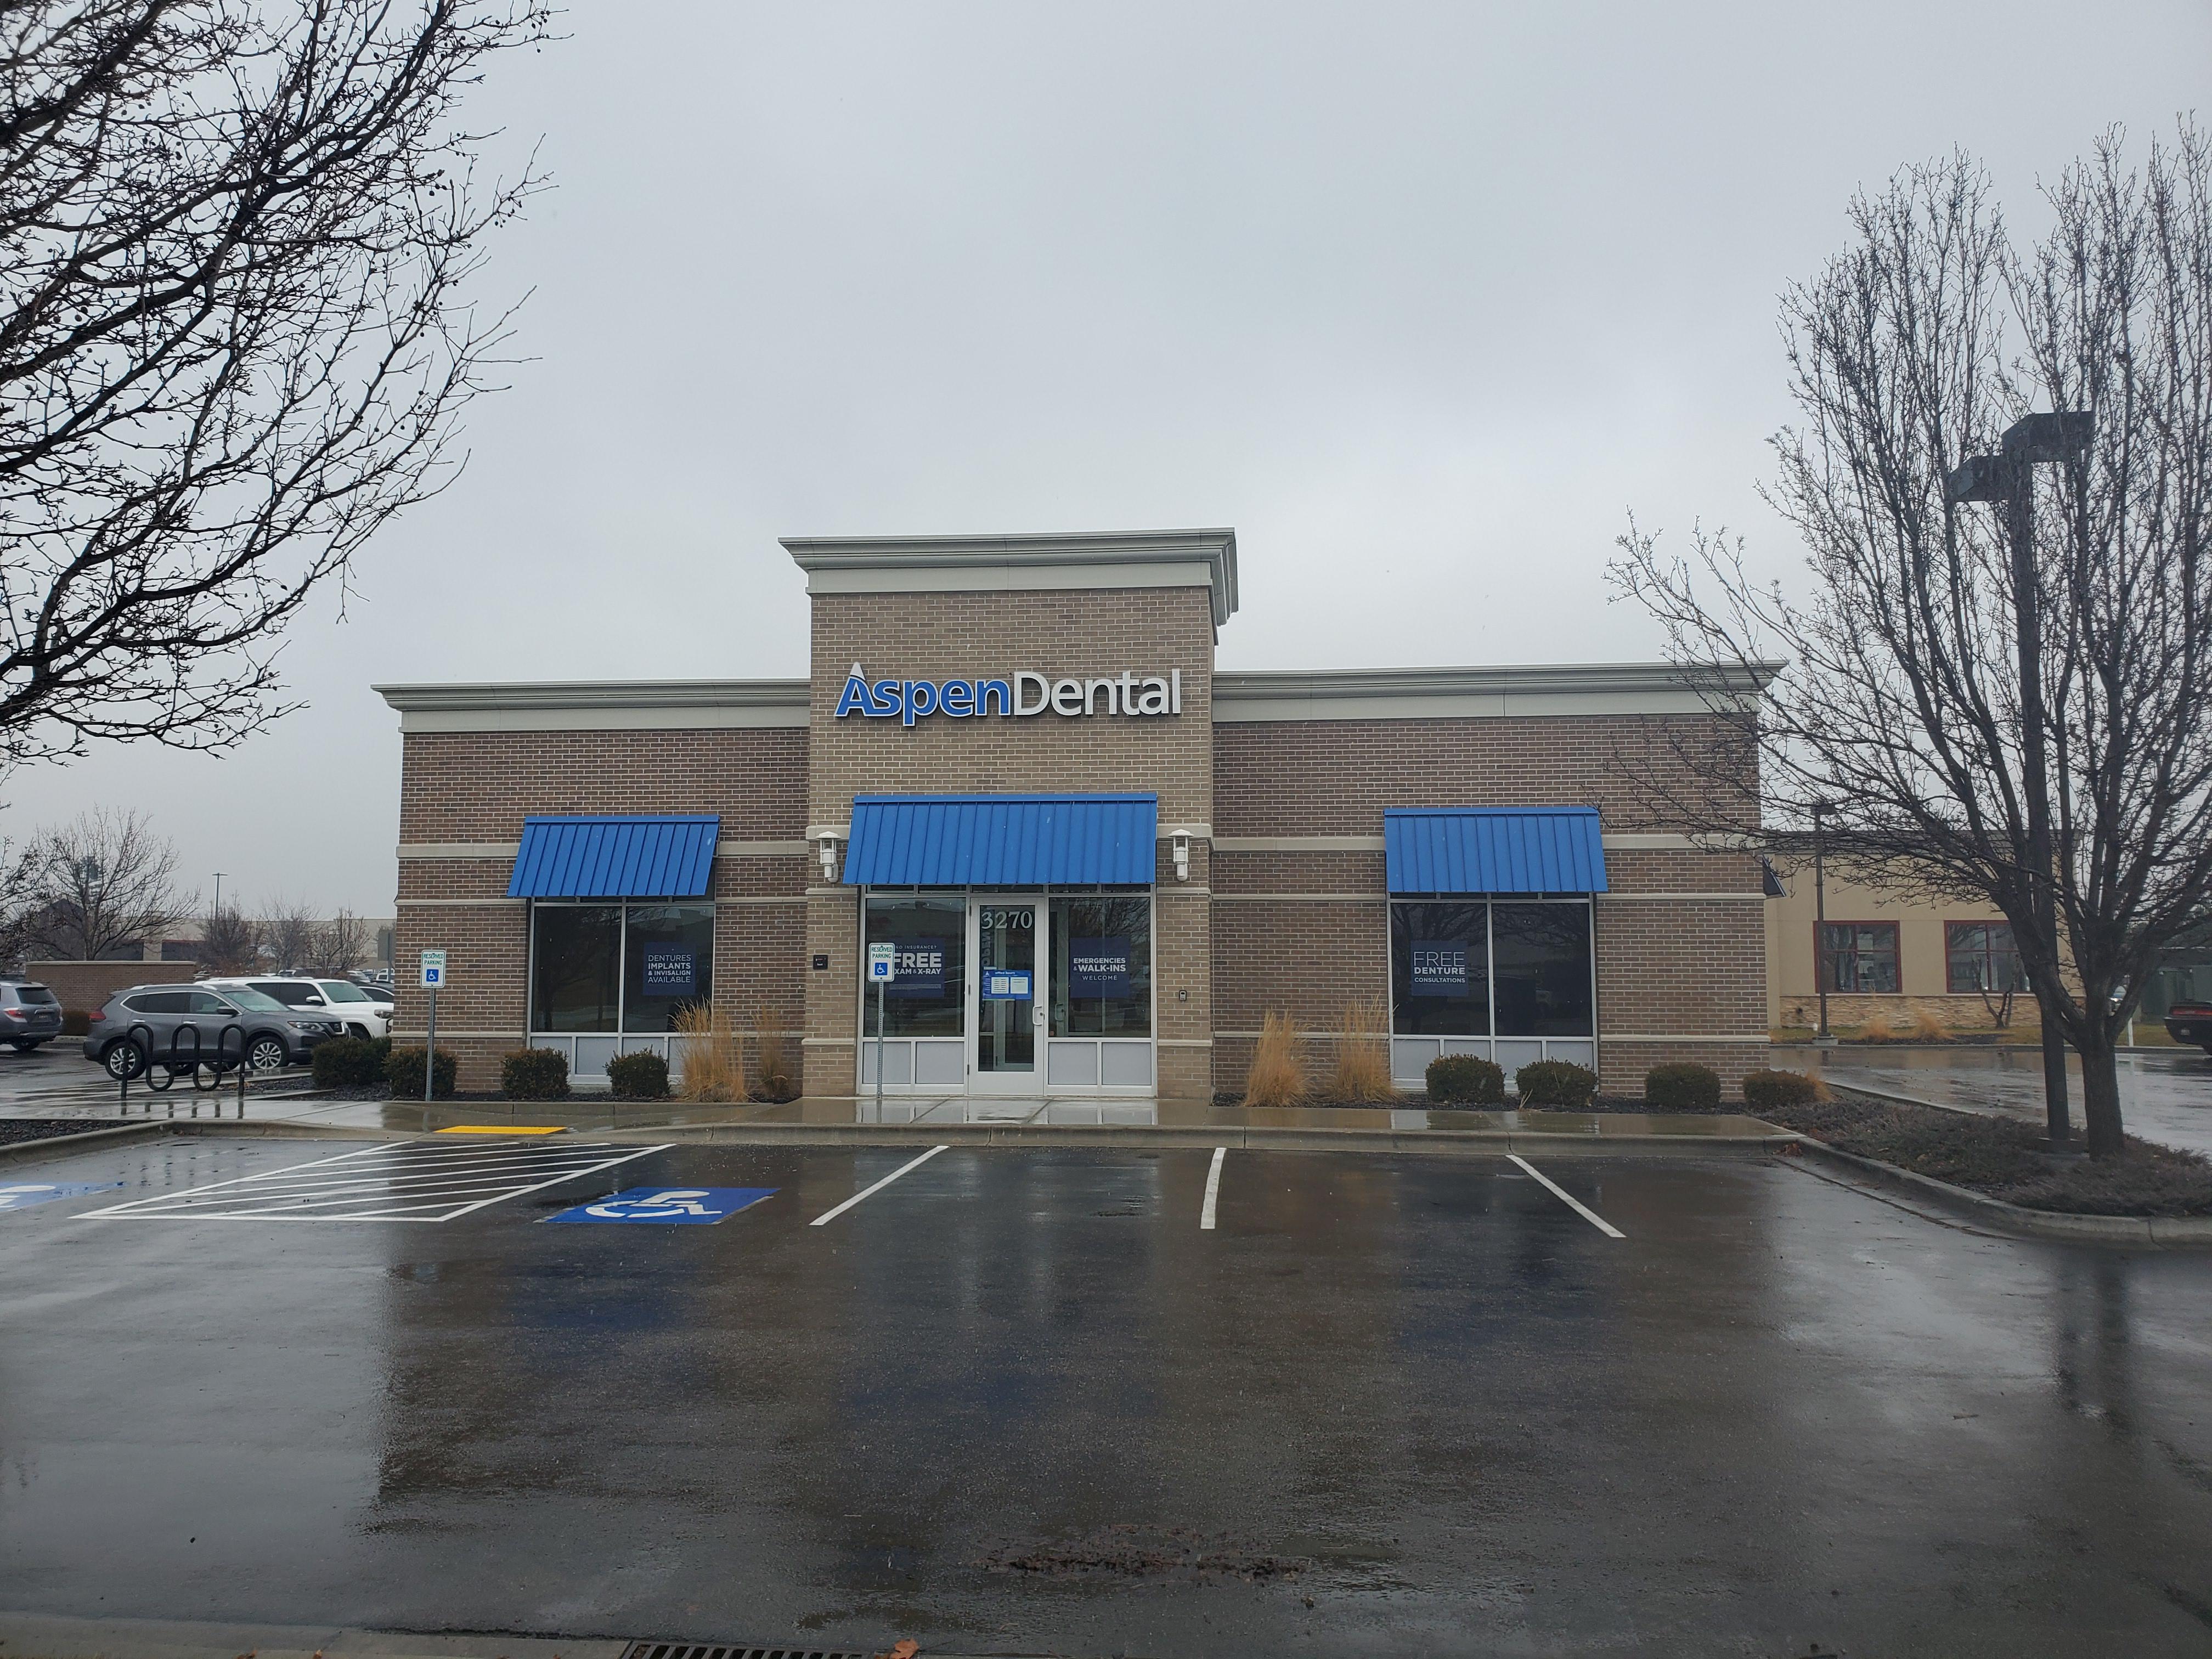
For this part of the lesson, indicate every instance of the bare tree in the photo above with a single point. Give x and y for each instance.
(1901, 710)
(233, 341)
(341, 944)
(230, 941)
(101, 883)
(287, 937)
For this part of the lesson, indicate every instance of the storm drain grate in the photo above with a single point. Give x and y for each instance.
(733, 1650)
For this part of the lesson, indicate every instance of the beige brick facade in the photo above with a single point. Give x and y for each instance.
(1289, 913)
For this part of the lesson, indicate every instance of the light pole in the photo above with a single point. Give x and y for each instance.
(2009, 477)
(1820, 809)
(219, 875)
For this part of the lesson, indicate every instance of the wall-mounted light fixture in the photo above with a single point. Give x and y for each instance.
(1182, 856)
(829, 857)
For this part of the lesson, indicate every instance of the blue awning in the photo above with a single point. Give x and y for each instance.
(1492, 849)
(1001, 841)
(615, 857)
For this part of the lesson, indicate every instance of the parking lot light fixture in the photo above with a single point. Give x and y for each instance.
(2054, 436)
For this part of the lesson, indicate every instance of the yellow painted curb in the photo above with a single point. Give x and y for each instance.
(504, 1129)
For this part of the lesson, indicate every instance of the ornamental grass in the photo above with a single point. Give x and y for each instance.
(1280, 1074)
(713, 1065)
(1363, 1057)
(772, 1078)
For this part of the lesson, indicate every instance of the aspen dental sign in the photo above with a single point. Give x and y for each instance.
(1018, 696)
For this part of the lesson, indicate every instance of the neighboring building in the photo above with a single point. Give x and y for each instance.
(1098, 863)
(1888, 956)
(1897, 957)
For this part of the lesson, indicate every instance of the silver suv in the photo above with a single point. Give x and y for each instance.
(171, 1025)
(29, 1014)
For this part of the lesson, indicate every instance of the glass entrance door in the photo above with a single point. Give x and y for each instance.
(1010, 995)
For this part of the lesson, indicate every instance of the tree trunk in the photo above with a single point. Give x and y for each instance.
(2100, 1096)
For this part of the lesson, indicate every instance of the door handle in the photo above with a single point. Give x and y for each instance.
(1037, 1014)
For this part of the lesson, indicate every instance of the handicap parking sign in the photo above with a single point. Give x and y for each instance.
(669, 1207)
(21, 1194)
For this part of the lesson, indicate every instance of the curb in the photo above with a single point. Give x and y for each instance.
(1444, 1143)
(17, 1150)
(2154, 1231)
(53, 1635)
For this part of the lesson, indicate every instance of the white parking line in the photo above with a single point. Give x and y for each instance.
(831, 1215)
(1213, 1191)
(1569, 1200)
(402, 1181)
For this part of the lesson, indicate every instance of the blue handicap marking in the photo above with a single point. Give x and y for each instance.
(669, 1207)
(21, 1194)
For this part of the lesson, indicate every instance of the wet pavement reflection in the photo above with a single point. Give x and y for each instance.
(2166, 1094)
(1018, 1401)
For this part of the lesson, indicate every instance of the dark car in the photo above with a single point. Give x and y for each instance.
(170, 1024)
(29, 1014)
(2190, 1022)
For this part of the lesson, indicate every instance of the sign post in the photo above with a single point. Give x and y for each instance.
(433, 976)
(883, 966)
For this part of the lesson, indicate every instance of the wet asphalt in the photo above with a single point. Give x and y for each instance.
(1019, 1400)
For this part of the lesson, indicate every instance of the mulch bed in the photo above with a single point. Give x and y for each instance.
(13, 1129)
(2002, 1158)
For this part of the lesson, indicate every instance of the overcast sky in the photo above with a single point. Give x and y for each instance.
(1422, 299)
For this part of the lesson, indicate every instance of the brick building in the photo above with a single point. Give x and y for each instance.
(1098, 864)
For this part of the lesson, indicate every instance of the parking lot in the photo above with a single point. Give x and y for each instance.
(1028, 1400)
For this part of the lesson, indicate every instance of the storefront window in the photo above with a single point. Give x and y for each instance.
(590, 972)
(1980, 956)
(1858, 956)
(575, 967)
(929, 996)
(1541, 963)
(668, 963)
(1440, 969)
(1102, 967)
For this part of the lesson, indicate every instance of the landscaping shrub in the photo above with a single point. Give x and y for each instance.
(77, 1021)
(772, 1079)
(1363, 1057)
(402, 1070)
(534, 1074)
(642, 1076)
(1877, 1030)
(1682, 1086)
(1556, 1082)
(1278, 1075)
(1465, 1080)
(351, 1062)
(1926, 1028)
(714, 1068)
(1764, 1091)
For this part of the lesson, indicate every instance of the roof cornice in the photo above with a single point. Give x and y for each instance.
(1215, 549)
(595, 694)
(1520, 680)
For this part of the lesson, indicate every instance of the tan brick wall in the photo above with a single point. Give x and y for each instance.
(478, 787)
(1335, 777)
(936, 636)
(1079, 634)
(1681, 968)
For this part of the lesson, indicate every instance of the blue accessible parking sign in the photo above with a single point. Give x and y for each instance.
(669, 1207)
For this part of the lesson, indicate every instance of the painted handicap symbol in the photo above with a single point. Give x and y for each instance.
(21, 1194)
(678, 1206)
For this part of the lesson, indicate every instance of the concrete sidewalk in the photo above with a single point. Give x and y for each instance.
(844, 1122)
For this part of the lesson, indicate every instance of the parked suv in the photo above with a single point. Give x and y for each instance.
(274, 1035)
(362, 1012)
(29, 1014)
(2190, 1022)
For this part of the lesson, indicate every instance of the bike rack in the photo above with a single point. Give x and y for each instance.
(176, 1063)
